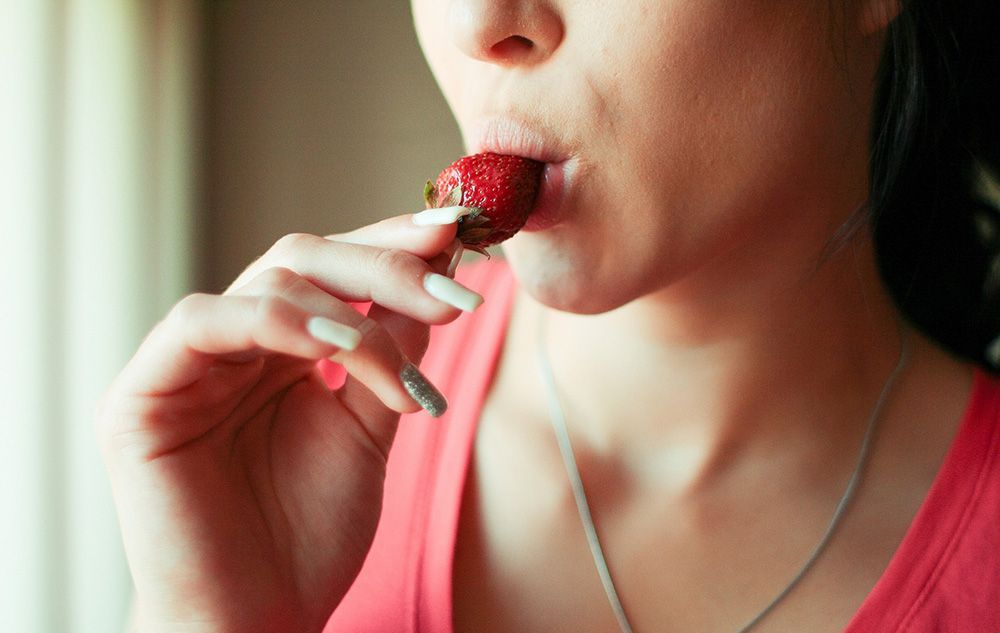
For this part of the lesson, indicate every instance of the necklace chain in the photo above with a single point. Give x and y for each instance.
(558, 419)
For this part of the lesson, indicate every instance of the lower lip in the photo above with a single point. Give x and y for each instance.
(548, 206)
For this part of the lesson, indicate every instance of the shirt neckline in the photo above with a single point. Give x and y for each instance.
(932, 536)
(936, 530)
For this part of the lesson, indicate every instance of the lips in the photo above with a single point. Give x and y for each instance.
(548, 206)
(508, 136)
(505, 135)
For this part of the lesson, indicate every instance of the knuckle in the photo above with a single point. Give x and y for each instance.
(271, 310)
(291, 243)
(274, 320)
(279, 278)
(185, 310)
(392, 260)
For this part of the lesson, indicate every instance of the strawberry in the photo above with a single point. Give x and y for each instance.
(500, 188)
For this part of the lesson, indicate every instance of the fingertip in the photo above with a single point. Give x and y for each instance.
(431, 240)
(440, 216)
(331, 332)
(423, 391)
(400, 232)
(450, 292)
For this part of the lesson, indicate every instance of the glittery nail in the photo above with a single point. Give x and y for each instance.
(422, 391)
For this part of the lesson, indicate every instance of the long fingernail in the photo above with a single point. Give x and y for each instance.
(456, 257)
(422, 391)
(329, 331)
(451, 292)
(440, 217)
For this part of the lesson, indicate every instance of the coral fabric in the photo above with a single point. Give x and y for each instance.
(945, 575)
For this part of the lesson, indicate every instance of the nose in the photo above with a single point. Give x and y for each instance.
(506, 32)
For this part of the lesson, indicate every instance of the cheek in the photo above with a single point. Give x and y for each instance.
(727, 107)
(703, 130)
(430, 19)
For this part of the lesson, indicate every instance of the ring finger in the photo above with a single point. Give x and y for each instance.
(367, 351)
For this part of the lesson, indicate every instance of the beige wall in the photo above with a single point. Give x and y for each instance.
(321, 115)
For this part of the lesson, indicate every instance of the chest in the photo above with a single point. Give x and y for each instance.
(522, 562)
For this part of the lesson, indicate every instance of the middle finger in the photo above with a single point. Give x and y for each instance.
(393, 278)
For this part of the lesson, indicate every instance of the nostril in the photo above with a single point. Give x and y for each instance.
(512, 47)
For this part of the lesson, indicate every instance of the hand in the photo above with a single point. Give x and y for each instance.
(248, 492)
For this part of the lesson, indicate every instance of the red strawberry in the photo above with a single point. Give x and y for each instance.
(501, 189)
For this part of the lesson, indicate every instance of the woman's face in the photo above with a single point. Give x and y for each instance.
(682, 136)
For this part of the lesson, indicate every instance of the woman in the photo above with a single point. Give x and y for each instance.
(700, 299)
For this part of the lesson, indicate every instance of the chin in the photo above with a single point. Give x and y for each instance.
(565, 279)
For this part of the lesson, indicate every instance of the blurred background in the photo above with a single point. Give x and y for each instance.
(148, 149)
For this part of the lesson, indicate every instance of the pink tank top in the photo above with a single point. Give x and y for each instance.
(945, 576)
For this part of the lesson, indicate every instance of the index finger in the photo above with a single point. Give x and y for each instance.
(426, 236)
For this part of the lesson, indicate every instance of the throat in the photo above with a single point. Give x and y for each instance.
(686, 414)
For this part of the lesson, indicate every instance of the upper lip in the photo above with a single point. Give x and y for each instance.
(509, 135)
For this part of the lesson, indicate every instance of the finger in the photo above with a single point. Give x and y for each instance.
(424, 234)
(375, 361)
(412, 338)
(396, 279)
(291, 286)
(202, 328)
(447, 262)
(291, 317)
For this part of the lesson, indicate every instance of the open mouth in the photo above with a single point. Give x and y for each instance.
(506, 135)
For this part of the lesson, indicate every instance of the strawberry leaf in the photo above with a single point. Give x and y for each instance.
(429, 194)
(474, 234)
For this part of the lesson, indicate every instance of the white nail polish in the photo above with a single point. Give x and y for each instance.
(452, 292)
(440, 217)
(343, 336)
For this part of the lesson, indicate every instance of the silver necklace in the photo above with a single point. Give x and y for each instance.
(558, 420)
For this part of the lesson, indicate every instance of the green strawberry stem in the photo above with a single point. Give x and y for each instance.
(430, 195)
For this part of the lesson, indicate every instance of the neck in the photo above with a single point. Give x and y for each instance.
(739, 357)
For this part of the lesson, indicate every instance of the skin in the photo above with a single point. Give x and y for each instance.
(720, 87)
(718, 147)
(248, 492)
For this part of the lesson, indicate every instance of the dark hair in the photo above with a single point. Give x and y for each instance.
(935, 142)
